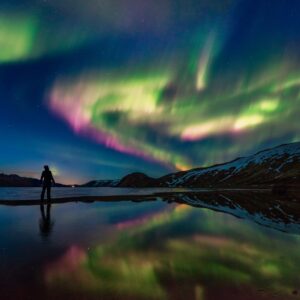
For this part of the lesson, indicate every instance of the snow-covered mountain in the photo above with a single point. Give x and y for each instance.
(271, 167)
(279, 165)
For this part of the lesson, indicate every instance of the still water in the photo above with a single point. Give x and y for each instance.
(61, 192)
(164, 249)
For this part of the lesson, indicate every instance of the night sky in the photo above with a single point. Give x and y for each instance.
(100, 88)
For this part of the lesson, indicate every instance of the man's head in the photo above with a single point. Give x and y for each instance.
(46, 168)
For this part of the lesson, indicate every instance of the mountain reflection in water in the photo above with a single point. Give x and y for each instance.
(183, 247)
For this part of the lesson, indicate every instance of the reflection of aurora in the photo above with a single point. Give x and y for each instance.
(195, 251)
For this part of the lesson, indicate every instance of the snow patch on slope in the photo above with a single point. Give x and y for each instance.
(289, 152)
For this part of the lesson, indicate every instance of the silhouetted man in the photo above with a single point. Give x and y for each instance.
(47, 179)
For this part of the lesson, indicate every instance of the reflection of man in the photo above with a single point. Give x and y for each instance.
(47, 179)
(45, 222)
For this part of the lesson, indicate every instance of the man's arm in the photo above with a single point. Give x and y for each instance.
(42, 177)
(52, 179)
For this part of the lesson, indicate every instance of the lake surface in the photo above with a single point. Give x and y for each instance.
(172, 248)
(8, 193)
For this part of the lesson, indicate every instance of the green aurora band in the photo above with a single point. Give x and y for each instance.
(27, 36)
(143, 111)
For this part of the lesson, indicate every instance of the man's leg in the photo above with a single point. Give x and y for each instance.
(43, 192)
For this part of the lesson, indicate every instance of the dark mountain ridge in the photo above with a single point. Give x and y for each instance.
(14, 180)
(267, 168)
(101, 183)
(273, 167)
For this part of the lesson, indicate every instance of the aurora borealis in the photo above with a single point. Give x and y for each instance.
(100, 88)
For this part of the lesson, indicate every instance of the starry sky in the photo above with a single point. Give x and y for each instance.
(100, 88)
